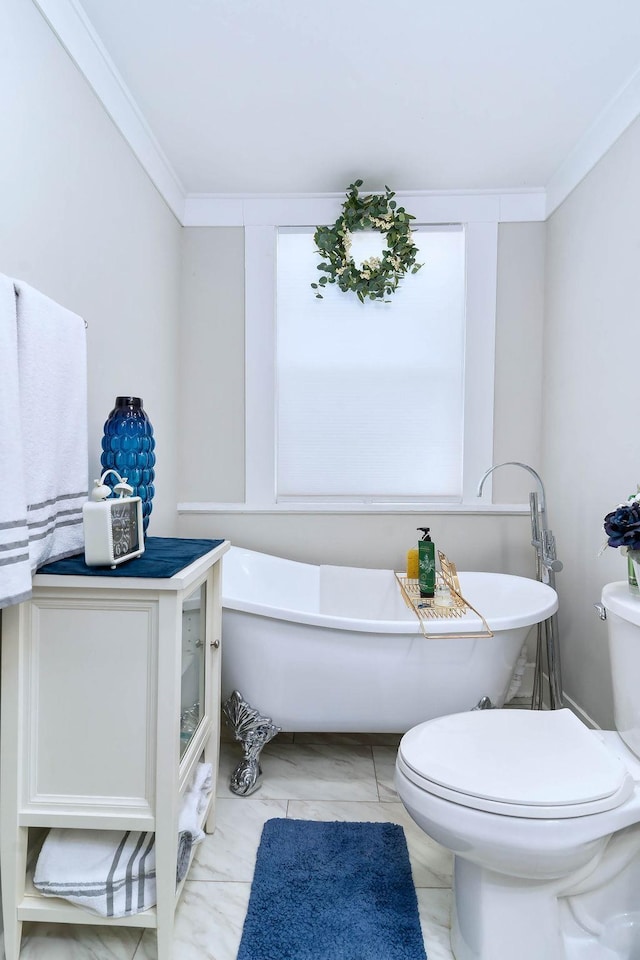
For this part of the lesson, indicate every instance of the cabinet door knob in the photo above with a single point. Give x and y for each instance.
(216, 644)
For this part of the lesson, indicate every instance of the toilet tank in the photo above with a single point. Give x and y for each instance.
(623, 626)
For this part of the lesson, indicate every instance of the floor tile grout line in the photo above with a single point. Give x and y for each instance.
(375, 773)
(135, 949)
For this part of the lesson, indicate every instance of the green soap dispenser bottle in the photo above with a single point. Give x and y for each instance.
(426, 564)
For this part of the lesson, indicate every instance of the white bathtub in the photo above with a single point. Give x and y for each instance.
(324, 648)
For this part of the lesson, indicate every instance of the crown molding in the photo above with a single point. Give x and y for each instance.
(616, 117)
(78, 37)
(76, 34)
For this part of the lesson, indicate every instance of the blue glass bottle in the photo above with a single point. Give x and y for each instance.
(128, 446)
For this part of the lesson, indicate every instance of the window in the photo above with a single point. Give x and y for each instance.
(369, 406)
(369, 397)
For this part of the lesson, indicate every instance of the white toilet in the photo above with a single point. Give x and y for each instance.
(542, 815)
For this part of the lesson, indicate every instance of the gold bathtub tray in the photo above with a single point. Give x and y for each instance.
(428, 609)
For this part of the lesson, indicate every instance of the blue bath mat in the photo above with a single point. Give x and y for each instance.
(332, 891)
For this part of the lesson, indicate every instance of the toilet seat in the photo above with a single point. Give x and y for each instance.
(518, 763)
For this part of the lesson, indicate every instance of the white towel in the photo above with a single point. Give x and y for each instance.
(202, 784)
(189, 819)
(110, 872)
(52, 373)
(15, 566)
(195, 801)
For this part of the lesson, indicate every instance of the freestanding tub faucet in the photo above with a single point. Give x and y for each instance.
(547, 565)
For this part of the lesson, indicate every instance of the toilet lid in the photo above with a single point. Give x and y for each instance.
(524, 763)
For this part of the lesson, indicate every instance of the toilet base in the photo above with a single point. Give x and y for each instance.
(499, 918)
(592, 914)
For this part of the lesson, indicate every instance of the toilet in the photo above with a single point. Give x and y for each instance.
(542, 815)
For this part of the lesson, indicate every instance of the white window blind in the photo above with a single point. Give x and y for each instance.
(370, 397)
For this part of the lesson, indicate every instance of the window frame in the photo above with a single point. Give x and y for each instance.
(481, 233)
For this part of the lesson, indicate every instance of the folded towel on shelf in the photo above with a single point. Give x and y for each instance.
(189, 819)
(43, 435)
(195, 800)
(111, 872)
(15, 565)
(202, 784)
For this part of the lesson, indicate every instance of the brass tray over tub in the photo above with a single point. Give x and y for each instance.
(427, 609)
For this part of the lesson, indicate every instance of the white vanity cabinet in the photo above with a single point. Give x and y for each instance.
(110, 696)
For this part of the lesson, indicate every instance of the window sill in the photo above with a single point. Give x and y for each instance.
(480, 509)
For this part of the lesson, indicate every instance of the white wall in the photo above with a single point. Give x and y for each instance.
(590, 400)
(212, 337)
(81, 221)
(211, 437)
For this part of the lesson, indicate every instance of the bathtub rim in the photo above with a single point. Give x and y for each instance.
(444, 627)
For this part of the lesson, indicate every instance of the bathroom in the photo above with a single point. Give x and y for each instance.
(90, 220)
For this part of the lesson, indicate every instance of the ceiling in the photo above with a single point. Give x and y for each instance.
(249, 97)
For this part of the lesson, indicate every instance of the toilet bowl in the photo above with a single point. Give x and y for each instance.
(542, 815)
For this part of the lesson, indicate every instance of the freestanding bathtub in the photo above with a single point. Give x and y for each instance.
(336, 649)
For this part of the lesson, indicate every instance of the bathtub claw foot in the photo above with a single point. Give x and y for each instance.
(253, 732)
(484, 703)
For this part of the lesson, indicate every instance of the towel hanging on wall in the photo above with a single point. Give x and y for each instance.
(43, 435)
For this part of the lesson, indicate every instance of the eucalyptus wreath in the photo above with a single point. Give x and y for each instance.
(377, 277)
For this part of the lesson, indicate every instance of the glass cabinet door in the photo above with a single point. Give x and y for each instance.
(193, 664)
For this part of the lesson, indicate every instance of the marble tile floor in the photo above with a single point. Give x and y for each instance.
(306, 776)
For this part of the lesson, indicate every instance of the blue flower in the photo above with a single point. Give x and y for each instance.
(622, 526)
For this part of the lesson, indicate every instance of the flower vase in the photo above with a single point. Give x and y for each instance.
(633, 571)
(128, 446)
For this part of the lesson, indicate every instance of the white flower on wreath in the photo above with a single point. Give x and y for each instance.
(373, 263)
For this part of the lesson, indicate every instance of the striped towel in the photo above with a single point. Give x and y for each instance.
(43, 435)
(15, 565)
(112, 872)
